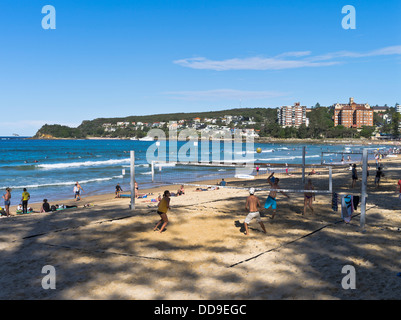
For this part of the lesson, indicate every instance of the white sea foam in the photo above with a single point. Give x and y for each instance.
(63, 165)
(254, 152)
(287, 158)
(64, 183)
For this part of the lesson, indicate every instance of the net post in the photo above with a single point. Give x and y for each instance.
(132, 185)
(331, 179)
(153, 171)
(364, 188)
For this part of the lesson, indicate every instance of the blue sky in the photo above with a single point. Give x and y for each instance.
(120, 58)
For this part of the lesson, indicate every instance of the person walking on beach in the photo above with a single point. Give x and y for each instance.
(162, 209)
(76, 193)
(25, 197)
(252, 205)
(79, 190)
(271, 199)
(7, 201)
(354, 175)
(379, 174)
(308, 196)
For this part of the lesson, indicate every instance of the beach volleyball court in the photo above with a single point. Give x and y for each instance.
(110, 252)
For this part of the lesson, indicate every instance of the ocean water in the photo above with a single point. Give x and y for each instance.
(50, 168)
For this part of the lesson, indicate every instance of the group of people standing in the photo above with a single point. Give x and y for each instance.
(379, 174)
(26, 197)
(24, 201)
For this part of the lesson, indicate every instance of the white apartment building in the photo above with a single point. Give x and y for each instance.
(292, 116)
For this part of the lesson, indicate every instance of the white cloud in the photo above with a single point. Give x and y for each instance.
(254, 63)
(300, 59)
(223, 94)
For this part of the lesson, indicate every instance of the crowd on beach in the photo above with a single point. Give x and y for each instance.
(23, 208)
(252, 204)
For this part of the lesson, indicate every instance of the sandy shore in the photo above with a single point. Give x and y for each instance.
(108, 251)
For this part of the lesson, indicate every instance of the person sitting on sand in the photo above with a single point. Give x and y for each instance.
(308, 196)
(45, 206)
(252, 205)
(181, 191)
(313, 172)
(118, 190)
(162, 209)
(223, 183)
(271, 199)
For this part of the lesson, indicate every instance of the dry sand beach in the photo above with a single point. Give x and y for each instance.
(110, 252)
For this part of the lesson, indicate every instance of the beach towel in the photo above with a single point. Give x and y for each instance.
(347, 208)
(334, 201)
(355, 201)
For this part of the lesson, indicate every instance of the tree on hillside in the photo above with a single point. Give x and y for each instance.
(395, 125)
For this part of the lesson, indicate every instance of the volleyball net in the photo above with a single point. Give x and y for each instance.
(292, 178)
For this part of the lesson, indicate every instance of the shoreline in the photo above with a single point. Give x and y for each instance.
(154, 191)
(360, 141)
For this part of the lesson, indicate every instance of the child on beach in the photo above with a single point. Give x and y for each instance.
(164, 205)
(252, 206)
(271, 199)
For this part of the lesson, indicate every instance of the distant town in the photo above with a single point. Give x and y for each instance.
(341, 120)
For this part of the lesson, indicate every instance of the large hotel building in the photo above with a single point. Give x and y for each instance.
(292, 116)
(353, 115)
